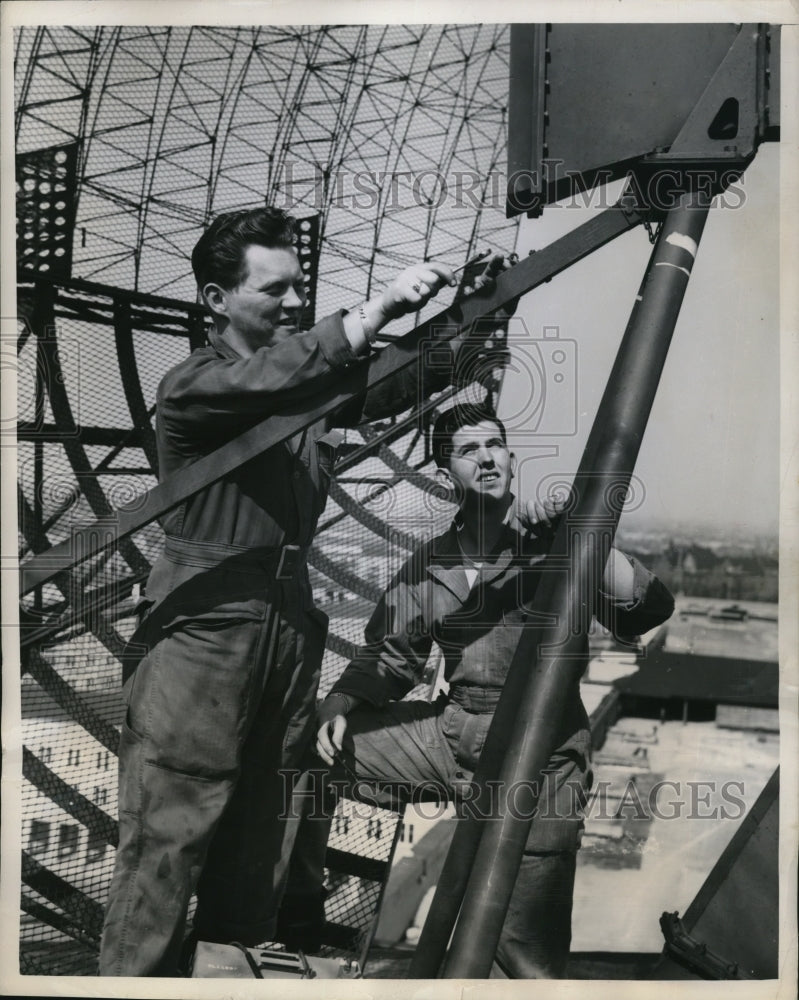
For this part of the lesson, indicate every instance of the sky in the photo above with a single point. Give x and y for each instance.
(710, 454)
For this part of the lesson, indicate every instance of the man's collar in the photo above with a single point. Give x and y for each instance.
(508, 518)
(221, 346)
(448, 564)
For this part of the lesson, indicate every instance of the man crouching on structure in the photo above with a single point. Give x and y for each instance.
(465, 590)
(225, 695)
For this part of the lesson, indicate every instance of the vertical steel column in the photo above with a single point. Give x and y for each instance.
(490, 857)
(40, 409)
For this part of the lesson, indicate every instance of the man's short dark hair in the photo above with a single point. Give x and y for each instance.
(219, 253)
(450, 422)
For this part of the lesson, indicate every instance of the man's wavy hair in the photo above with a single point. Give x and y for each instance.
(450, 422)
(219, 253)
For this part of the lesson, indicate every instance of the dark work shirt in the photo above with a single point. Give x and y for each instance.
(477, 627)
(215, 394)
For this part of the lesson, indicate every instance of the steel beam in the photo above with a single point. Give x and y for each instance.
(485, 855)
(109, 530)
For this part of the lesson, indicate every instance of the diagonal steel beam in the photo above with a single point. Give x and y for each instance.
(108, 531)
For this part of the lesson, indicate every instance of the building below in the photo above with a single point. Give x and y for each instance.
(685, 729)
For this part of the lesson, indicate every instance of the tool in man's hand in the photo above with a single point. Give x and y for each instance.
(474, 260)
(339, 758)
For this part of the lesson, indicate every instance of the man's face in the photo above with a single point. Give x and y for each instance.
(480, 466)
(264, 309)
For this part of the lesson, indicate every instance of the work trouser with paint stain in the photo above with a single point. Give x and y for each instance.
(220, 706)
(410, 747)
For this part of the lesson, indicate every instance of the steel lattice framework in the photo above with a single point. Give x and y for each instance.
(391, 134)
(129, 139)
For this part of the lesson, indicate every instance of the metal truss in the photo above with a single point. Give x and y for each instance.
(393, 135)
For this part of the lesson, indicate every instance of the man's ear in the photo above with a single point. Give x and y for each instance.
(215, 298)
(512, 465)
(443, 478)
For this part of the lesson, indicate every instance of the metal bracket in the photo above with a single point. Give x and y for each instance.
(720, 136)
(738, 85)
(695, 955)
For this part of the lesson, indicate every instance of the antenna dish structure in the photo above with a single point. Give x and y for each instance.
(387, 143)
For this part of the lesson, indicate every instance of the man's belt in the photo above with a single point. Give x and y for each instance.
(290, 561)
(475, 699)
(283, 563)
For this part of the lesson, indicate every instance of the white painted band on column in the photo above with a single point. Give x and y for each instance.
(684, 242)
(666, 263)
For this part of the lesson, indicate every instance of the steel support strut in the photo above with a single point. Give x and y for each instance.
(486, 852)
(110, 530)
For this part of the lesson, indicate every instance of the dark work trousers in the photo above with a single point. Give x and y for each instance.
(412, 748)
(222, 704)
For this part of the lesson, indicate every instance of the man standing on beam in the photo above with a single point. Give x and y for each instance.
(224, 694)
(469, 591)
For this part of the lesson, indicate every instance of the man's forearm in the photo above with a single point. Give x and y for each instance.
(344, 703)
(625, 613)
(618, 580)
(361, 324)
(408, 292)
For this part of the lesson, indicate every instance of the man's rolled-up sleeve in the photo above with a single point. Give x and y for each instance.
(651, 605)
